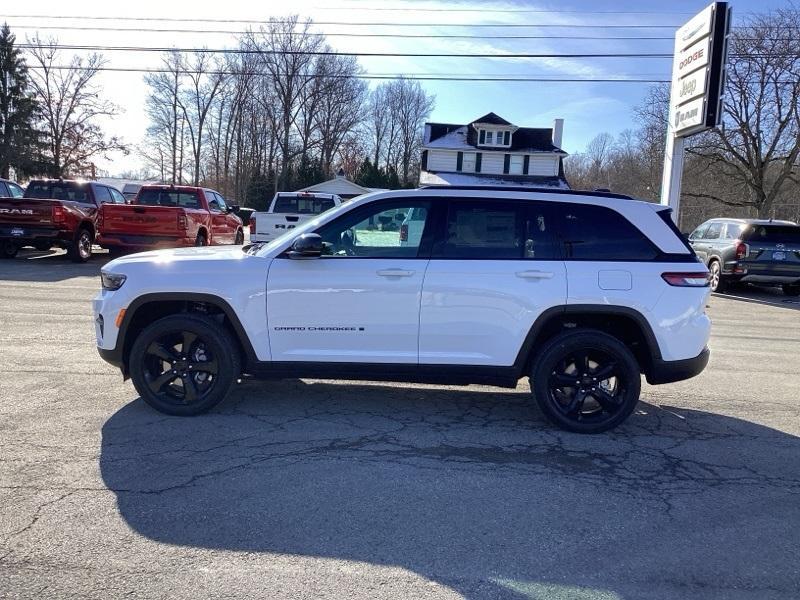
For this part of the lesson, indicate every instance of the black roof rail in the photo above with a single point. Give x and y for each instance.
(517, 188)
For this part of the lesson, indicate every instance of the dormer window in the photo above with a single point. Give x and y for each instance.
(491, 137)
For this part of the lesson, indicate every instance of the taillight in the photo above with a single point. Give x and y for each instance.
(742, 250)
(687, 279)
(404, 232)
(183, 223)
(252, 225)
(58, 214)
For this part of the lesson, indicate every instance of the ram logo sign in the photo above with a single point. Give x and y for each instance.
(15, 211)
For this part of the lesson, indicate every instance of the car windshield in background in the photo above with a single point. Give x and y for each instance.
(784, 234)
(168, 198)
(302, 205)
(74, 192)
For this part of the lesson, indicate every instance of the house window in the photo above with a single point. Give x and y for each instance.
(489, 137)
(515, 168)
(482, 137)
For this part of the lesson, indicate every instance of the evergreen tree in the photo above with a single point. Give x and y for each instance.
(18, 137)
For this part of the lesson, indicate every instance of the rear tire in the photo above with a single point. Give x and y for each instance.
(586, 381)
(8, 249)
(184, 364)
(791, 289)
(80, 249)
(201, 239)
(718, 284)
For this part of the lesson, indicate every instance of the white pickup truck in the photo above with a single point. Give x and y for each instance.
(287, 211)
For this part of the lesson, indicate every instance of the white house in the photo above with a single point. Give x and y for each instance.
(341, 186)
(490, 150)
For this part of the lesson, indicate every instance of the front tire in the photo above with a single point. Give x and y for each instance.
(184, 364)
(791, 289)
(586, 381)
(80, 249)
(239, 240)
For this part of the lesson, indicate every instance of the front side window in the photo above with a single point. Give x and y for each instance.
(220, 202)
(598, 233)
(102, 194)
(496, 230)
(117, 196)
(697, 234)
(15, 190)
(382, 231)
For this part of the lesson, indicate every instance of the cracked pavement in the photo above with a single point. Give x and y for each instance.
(319, 489)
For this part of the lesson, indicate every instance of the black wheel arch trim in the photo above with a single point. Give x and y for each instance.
(117, 356)
(528, 350)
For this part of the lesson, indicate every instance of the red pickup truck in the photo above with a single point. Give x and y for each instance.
(169, 216)
(54, 213)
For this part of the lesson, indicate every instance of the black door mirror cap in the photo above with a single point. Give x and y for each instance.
(307, 245)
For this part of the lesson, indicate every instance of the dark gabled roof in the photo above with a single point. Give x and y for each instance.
(533, 139)
(440, 129)
(491, 119)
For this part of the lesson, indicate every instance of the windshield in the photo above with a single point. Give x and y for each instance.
(302, 205)
(786, 234)
(61, 190)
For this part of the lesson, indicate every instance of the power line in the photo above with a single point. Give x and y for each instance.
(345, 23)
(360, 54)
(368, 76)
(361, 35)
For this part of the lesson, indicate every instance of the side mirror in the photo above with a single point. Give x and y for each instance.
(308, 245)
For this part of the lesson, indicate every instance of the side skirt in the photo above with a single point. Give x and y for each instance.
(434, 374)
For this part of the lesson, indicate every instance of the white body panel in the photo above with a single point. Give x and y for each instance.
(345, 310)
(478, 312)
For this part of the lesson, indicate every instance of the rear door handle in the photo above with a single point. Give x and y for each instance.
(535, 274)
(394, 273)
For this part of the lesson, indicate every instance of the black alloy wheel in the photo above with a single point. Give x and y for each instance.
(586, 381)
(183, 364)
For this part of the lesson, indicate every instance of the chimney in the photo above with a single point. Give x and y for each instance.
(558, 132)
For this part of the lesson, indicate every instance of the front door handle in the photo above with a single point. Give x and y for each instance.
(394, 273)
(535, 274)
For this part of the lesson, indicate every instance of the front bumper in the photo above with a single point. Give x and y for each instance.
(668, 371)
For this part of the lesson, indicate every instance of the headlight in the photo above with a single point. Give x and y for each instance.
(112, 281)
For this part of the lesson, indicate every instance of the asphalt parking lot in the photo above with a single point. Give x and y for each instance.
(316, 489)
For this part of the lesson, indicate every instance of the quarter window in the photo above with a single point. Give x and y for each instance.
(599, 233)
(380, 231)
(714, 231)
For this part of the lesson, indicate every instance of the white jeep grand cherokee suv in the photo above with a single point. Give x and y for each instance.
(580, 291)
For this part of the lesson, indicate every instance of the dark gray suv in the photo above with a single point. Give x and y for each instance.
(765, 252)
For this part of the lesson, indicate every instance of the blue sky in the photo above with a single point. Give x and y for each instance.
(588, 108)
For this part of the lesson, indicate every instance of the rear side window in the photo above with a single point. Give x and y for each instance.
(70, 191)
(302, 205)
(778, 234)
(168, 198)
(496, 230)
(599, 233)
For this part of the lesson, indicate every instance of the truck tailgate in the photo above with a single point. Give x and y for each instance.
(127, 219)
(272, 225)
(26, 212)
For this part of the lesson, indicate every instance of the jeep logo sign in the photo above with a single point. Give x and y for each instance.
(15, 211)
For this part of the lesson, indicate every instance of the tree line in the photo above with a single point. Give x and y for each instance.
(280, 113)
(748, 167)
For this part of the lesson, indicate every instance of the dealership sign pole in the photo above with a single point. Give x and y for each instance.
(698, 78)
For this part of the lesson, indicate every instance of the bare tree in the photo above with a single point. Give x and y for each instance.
(166, 116)
(71, 104)
(757, 147)
(410, 106)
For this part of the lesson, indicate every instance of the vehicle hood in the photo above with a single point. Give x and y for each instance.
(180, 255)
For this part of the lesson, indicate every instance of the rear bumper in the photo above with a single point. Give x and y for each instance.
(149, 242)
(668, 371)
(35, 235)
(775, 272)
